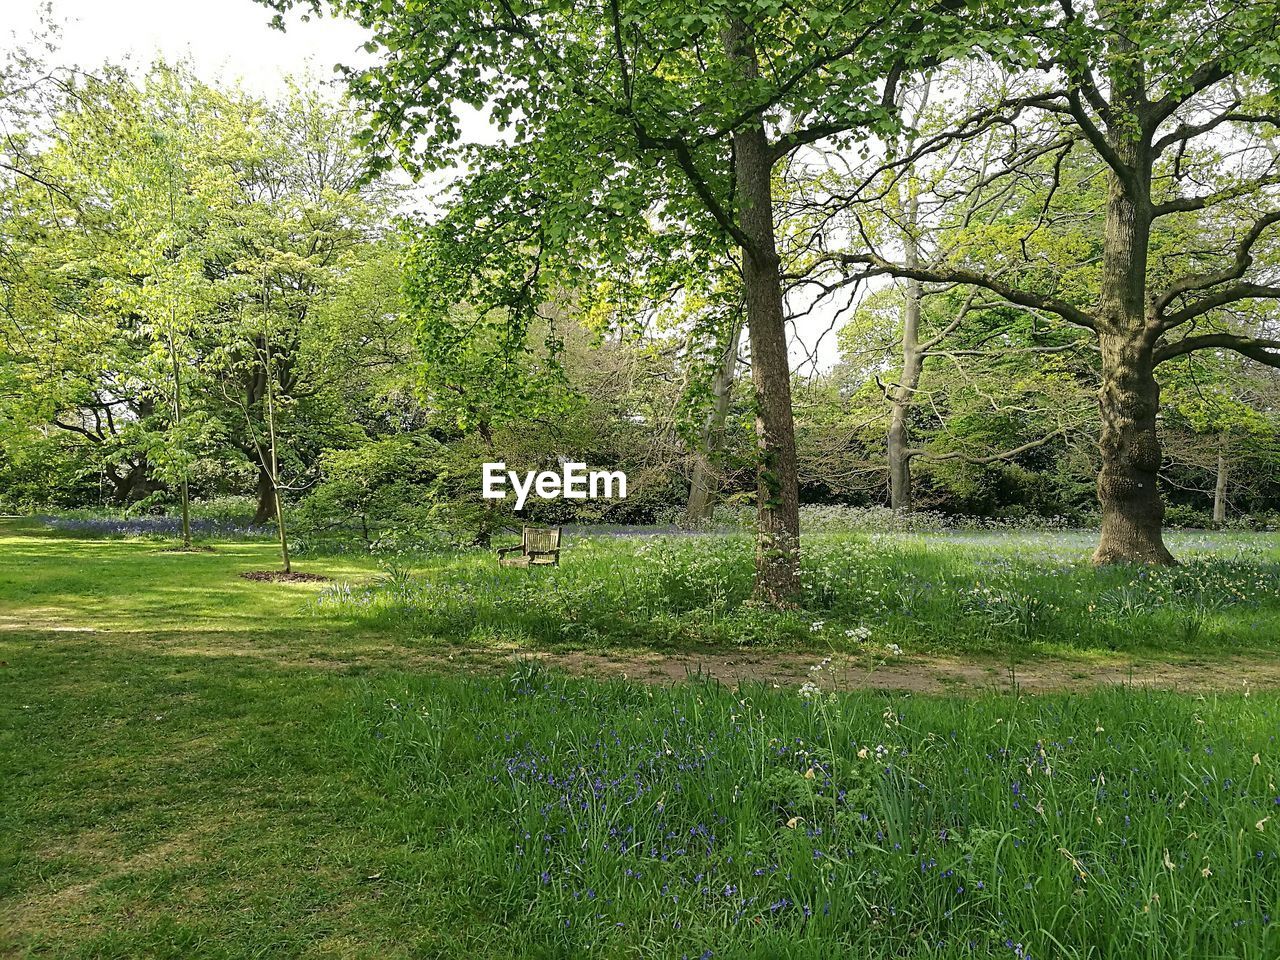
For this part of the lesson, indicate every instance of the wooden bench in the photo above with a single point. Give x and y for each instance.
(539, 547)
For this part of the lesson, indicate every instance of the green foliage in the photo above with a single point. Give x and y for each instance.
(378, 490)
(198, 241)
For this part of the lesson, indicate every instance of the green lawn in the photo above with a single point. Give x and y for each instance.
(192, 764)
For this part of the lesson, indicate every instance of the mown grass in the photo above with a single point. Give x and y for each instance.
(76, 582)
(1001, 593)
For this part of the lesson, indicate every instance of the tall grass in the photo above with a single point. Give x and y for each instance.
(934, 591)
(612, 820)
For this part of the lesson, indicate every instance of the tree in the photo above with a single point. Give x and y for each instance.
(199, 284)
(1171, 99)
(304, 218)
(111, 272)
(1221, 427)
(666, 111)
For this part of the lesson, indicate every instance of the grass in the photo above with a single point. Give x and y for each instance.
(195, 765)
(996, 593)
(73, 582)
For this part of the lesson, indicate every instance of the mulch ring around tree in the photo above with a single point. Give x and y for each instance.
(194, 548)
(285, 577)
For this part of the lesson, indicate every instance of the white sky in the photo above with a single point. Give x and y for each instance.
(226, 39)
(231, 41)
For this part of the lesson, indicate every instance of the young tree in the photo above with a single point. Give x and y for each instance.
(304, 217)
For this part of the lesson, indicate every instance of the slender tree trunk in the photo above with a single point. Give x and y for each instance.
(777, 486)
(488, 515)
(285, 563)
(899, 444)
(1129, 399)
(1220, 488)
(705, 480)
(177, 422)
(177, 381)
(902, 398)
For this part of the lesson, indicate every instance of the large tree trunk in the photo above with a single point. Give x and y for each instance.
(1220, 488)
(1132, 509)
(1128, 490)
(705, 479)
(266, 496)
(777, 487)
(133, 483)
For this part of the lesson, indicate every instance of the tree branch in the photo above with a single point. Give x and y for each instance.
(1242, 261)
(1025, 298)
(1261, 350)
(1005, 455)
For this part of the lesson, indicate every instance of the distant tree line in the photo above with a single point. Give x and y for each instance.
(1042, 234)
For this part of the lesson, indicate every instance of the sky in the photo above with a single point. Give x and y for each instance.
(231, 41)
(226, 39)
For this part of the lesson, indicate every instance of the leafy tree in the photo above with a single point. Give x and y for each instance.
(201, 282)
(649, 116)
(112, 273)
(1173, 100)
(303, 221)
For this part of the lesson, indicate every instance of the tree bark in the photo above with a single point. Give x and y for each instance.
(902, 401)
(777, 488)
(133, 484)
(1220, 488)
(705, 479)
(1129, 399)
(1132, 508)
(899, 440)
(265, 494)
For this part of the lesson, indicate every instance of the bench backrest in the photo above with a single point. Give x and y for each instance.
(541, 539)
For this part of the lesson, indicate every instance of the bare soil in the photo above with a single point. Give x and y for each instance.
(937, 674)
(280, 577)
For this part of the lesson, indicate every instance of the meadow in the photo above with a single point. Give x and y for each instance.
(989, 592)
(194, 764)
(873, 582)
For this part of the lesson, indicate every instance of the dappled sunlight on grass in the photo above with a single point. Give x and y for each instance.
(190, 758)
(113, 584)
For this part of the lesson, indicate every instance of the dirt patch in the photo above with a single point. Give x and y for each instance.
(280, 577)
(928, 674)
(50, 907)
(194, 548)
(967, 676)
